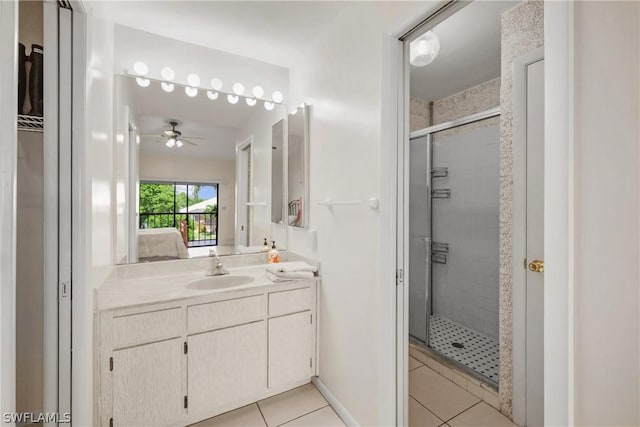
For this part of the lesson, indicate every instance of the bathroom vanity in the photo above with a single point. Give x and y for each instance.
(174, 350)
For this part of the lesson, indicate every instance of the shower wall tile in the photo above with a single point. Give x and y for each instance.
(477, 98)
(522, 31)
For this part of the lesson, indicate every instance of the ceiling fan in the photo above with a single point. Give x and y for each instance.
(173, 137)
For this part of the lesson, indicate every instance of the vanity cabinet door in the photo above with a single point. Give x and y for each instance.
(227, 368)
(290, 348)
(147, 384)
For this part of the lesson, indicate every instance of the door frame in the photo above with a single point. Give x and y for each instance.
(245, 145)
(559, 48)
(8, 171)
(520, 65)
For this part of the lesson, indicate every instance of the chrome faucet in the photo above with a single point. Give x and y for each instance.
(217, 268)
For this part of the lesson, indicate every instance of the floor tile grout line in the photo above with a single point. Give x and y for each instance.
(262, 415)
(475, 404)
(304, 415)
(429, 410)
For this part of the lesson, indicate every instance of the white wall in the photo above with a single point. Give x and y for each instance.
(607, 108)
(156, 51)
(341, 78)
(98, 210)
(187, 169)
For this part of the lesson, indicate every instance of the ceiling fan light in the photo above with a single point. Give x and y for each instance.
(193, 80)
(212, 95)
(140, 68)
(216, 84)
(167, 73)
(167, 87)
(232, 99)
(171, 142)
(268, 105)
(251, 102)
(277, 97)
(179, 143)
(143, 82)
(424, 50)
(258, 92)
(191, 91)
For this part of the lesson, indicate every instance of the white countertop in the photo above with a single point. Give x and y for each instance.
(119, 293)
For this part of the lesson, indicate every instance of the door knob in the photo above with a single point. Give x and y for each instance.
(537, 266)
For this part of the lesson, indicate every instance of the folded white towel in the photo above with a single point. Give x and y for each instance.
(290, 267)
(284, 277)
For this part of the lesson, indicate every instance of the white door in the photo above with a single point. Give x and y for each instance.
(147, 384)
(243, 232)
(290, 348)
(535, 244)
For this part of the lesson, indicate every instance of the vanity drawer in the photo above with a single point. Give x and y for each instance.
(286, 302)
(222, 314)
(145, 327)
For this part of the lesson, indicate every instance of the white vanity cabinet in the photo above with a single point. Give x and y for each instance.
(176, 363)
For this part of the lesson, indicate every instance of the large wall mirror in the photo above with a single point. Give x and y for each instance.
(298, 167)
(193, 170)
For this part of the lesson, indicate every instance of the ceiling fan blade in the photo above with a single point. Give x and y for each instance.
(194, 137)
(188, 142)
(151, 135)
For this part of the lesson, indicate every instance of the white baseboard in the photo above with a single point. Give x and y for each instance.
(335, 403)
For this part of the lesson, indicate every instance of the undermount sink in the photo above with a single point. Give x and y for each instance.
(219, 282)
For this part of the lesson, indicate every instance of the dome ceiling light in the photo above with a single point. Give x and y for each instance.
(424, 50)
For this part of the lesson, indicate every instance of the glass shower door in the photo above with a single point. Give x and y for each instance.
(463, 323)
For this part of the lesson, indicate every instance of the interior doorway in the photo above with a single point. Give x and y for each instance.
(243, 226)
(455, 279)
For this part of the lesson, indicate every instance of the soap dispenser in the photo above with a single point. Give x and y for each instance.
(265, 246)
(274, 255)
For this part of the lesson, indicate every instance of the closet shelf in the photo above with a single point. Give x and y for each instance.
(30, 123)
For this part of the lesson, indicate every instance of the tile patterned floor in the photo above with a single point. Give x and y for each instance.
(301, 407)
(480, 352)
(435, 401)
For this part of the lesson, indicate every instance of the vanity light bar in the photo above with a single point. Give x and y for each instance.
(141, 71)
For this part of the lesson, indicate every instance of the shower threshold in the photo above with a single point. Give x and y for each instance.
(475, 353)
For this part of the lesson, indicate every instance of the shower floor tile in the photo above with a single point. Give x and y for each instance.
(479, 352)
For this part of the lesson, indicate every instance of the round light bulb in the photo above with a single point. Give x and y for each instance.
(179, 143)
(167, 73)
(140, 68)
(277, 97)
(143, 82)
(251, 102)
(212, 95)
(258, 92)
(171, 142)
(424, 49)
(268, 105)
(232, 99)
(193, 80)
(238, 88)
(216, 84)
(167, 87)
(191, 91)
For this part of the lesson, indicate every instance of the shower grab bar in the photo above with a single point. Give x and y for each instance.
(442, 193)
(439, 172)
